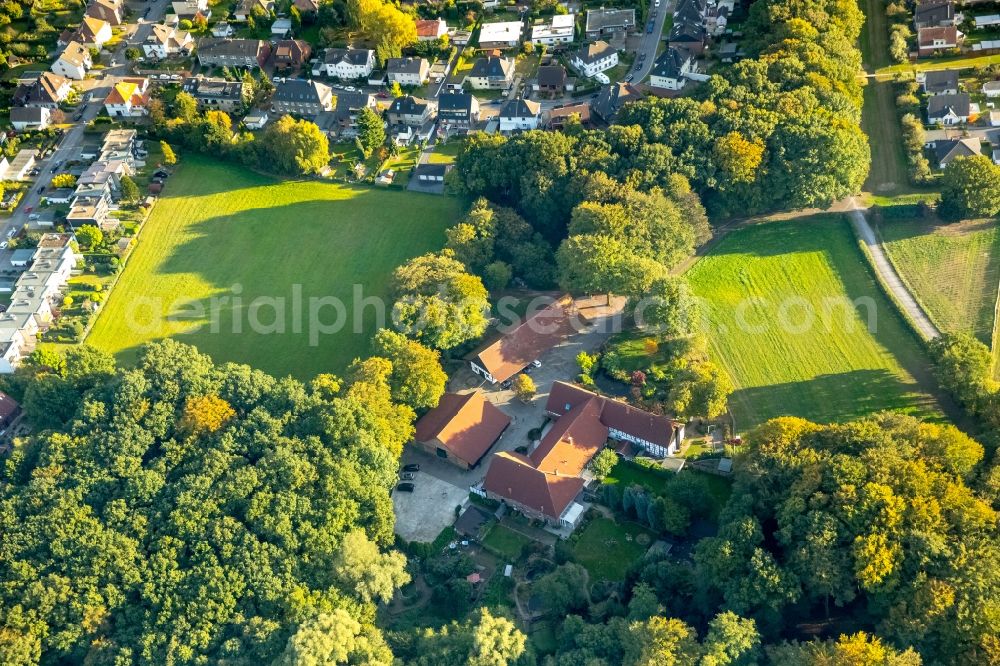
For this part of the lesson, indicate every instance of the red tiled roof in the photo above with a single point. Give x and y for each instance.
(428, 27)
(573, 440)
(613, 414)
(465, 424)
(514, 351)
(926, 36)
(512, 475)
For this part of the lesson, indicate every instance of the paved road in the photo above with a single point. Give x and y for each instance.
(68, 148)
(650, 42)
(890, 278)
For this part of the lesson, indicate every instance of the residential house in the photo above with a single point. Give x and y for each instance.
(941, 82)
(431, 174)
(245, 9)
(411, 111)
(189, 9)
(609, 22)
(109, 11)
(501, 359)
(556, 119)
(344, 64)
(492, 73)
(129, 98)
(166, 41)
(233, 52)
(594, 58)
(221, 30)
(934, 40)
(291, 53)
(48, 90)
(947, 150)
(255, 120)
(73, 62)
(671, 69)
(430, 30)
(281, 28)
(215, 93)
(93, 32)
(408, 71)
(343, 120)
(687, 34)
(991, 89)
(948, 109)
(457, 111)
(551, 81)
(934, 14)
(461, 428)
(519, 115)
(306, 6)
(545, 483)
(30, 117)
(9, 410)
(301, 97)
(21, 165)
(612, 98)
(503, 35)
(555, 31)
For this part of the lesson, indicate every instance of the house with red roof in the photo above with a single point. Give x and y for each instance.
(500, 360)
(545, 483)
(461, 429)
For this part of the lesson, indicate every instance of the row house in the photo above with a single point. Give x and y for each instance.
(301, 97)
(215, 93)
(35, 295)
(249, 53)
(492, 73)
(411, 111)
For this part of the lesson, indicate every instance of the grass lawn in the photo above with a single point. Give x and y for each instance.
(220, 226)
(506, 542)
(607, 549)
(948, 62)
(628, 473)
(796, 318)
(445, 153)
(952, 269)
(888, 171)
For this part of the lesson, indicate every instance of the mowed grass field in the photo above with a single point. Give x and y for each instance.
(780, 300)
(952, 269)
(221, 231)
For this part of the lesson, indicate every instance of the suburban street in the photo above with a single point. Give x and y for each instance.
(650, 42)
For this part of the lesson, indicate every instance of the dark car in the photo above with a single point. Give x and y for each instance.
(405, 487)
(41, 189)
(649, 28)
(412, 467)
(408, 476)
(506, 385)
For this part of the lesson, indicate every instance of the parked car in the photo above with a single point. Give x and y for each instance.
(506, 385)
(28, 209)
(649, 28)
(408, 476)
(405, 487)
(41, 189)
(412, 467)
(536, 363)
(10, 233)
(3, 245)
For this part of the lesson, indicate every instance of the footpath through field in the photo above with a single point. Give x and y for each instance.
(890, 278)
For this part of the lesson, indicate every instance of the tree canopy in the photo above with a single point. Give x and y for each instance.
(185, 512)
